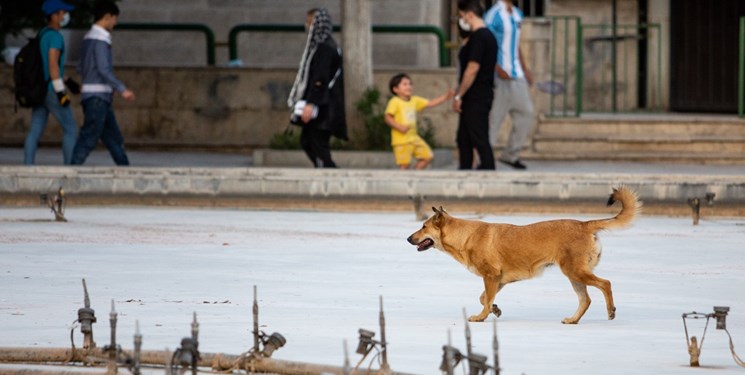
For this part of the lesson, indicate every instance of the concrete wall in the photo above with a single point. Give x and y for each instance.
(211, 107)
(135, 48)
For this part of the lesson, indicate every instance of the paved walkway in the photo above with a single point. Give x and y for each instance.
(53, 157)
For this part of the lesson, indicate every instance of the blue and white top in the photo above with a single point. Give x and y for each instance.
(95, 66)
(505, 26)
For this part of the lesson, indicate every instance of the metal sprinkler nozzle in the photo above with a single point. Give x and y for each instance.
(195, 327)
(346, 368)
(709, 198)
(137, 350)
(256, 322)
(112, 348)
(270, 343)
(695, 204)
(495, 346)
(383, 343)
(366, 342)
(56, 203)
(187, 355)
(720, 314)
(86, 318)
(418, 201)
(693, 344)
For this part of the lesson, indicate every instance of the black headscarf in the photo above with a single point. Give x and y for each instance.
(320, 31)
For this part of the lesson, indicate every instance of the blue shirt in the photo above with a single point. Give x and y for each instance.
(51, 39)
(506, 29)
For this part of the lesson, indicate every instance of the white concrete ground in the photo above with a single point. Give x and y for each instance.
(319, 276)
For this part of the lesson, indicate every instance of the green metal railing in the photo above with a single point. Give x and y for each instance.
(565, 23)
(632, 33)
(208, 33)
(741, 72)
(404, 29)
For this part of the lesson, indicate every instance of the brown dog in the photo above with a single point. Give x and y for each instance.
(505, 253)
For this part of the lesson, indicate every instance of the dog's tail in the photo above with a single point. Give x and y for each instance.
(631, 207)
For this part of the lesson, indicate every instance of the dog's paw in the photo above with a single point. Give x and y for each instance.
(496, 311)
(569, 321)
(476, 318)
(612, 314)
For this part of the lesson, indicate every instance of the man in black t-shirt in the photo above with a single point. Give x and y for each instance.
(473, 98)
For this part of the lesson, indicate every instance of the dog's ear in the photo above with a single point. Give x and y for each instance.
(434, 209)
(437, 219)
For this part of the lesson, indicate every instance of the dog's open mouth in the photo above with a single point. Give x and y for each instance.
(425, 244)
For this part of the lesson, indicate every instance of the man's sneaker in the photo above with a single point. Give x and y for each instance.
(517, 164)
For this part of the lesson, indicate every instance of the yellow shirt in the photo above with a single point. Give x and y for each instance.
(404, 112)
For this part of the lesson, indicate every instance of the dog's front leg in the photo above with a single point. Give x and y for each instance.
(491, 287)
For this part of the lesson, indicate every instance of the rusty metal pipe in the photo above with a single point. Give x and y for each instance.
(21, 371)
(217, 361)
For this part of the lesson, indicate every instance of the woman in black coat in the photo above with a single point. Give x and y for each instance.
(317, 95)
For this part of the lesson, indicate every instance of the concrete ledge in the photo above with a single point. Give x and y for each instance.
(363, 184)
(343, 158)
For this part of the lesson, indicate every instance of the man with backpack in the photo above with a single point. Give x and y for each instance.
(56, 101)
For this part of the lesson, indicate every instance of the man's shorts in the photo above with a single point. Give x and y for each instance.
(419, 149)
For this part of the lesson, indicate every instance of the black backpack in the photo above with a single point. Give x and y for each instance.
(28, 74)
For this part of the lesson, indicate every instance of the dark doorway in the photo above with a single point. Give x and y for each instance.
(703, 55)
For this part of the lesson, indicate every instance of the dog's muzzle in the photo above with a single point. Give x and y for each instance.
(425, 244)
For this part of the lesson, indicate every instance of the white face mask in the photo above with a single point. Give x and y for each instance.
(463, 24)
(65, 20)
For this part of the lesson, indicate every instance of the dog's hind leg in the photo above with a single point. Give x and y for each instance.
(491, 287)
(584, 279)
(584, 303)
(604, 286)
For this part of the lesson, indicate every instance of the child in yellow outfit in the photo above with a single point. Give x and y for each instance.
(400, 115)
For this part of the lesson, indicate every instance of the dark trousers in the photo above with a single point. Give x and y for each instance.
(99, 123)
(315, 142)
(473, 133)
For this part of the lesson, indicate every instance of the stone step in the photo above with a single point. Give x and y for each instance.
(643, 125)
(707, 158)
(708, 139)
(588, 144)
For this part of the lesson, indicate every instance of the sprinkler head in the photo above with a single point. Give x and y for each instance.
(710, 198)
(451, 357)
(86, 318)
(720, 313)
(366, 342)
(274, 342)
(477, 364)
